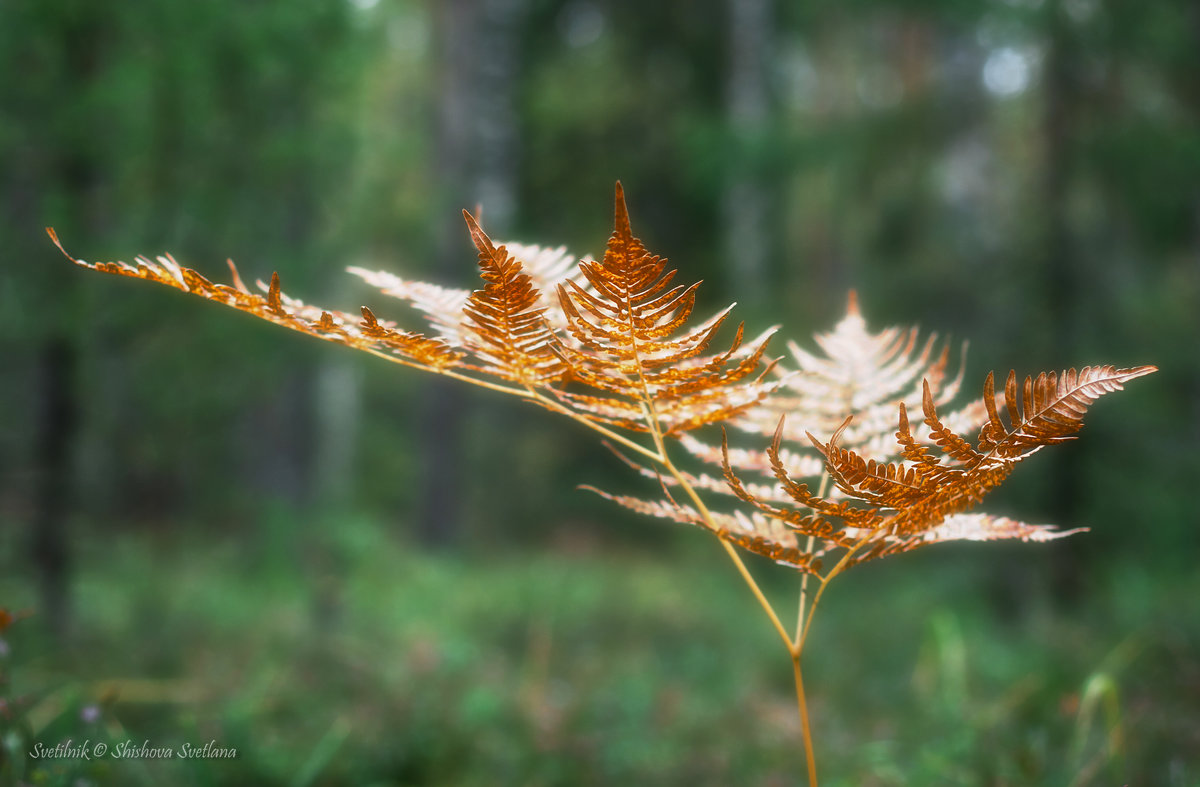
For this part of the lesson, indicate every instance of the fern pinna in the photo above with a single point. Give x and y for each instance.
(840, 474)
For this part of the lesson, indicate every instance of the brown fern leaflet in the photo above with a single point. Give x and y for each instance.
(443, 306)
(628, 340)
(505, 323)
(367, 333)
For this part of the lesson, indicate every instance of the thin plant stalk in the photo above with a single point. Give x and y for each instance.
(810, 757)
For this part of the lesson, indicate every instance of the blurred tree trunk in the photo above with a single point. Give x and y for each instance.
(337, 410)
(277, 440)
(1061, 279)
(279, 453)
(441, 410)
(493, 179)
(1195, 381)
(337, 413)
(57, 418)
(475, 140)
(746, 202)
(1193, 96)
(75, 166)
(1058, 130)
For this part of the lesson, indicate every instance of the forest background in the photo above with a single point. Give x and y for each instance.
(350, 572)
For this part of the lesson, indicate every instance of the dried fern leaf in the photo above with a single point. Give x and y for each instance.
(798, 465)
(628, 324)
(1050, 408)
(443, 306)
(862, 374)
(924, 498)
(367, 333)
(613, 342)
(812, 517)
(505, 323)
(754, 533)
(985, 527)
(700, 482)
(925, 494)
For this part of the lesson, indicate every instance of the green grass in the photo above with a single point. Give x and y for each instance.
(357, 660)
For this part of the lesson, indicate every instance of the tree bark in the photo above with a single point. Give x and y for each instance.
(57, 419)
(746, 203)
(1060, 280)
(475, 164)
(75, 168)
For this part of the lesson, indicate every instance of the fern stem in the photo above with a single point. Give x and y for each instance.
(810, 757)
(526, 393)
(650, 414)
(797, 649)
(665, 459)
(833, 572)
(518, 392)
(808, 549)
(550, 404)
(758, 594)
(812, 609)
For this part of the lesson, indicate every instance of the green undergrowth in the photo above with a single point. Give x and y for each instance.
(358, 660)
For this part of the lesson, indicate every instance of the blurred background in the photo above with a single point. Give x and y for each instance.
(355, 575)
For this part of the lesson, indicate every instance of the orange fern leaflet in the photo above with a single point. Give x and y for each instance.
(367, 333)
(625, 341)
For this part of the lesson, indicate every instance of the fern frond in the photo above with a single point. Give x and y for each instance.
(863, 374)
(880, 508)
(367, 333)
(754, 533)
(857, 373)
(1050, 409)
(922, 494)
(443, 306)
(894, 482)
(630, 341)
(799, 465)
(505, 323)
(985, 527)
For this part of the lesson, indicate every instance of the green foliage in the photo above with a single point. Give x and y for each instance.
(598, 668)
(48, 730)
